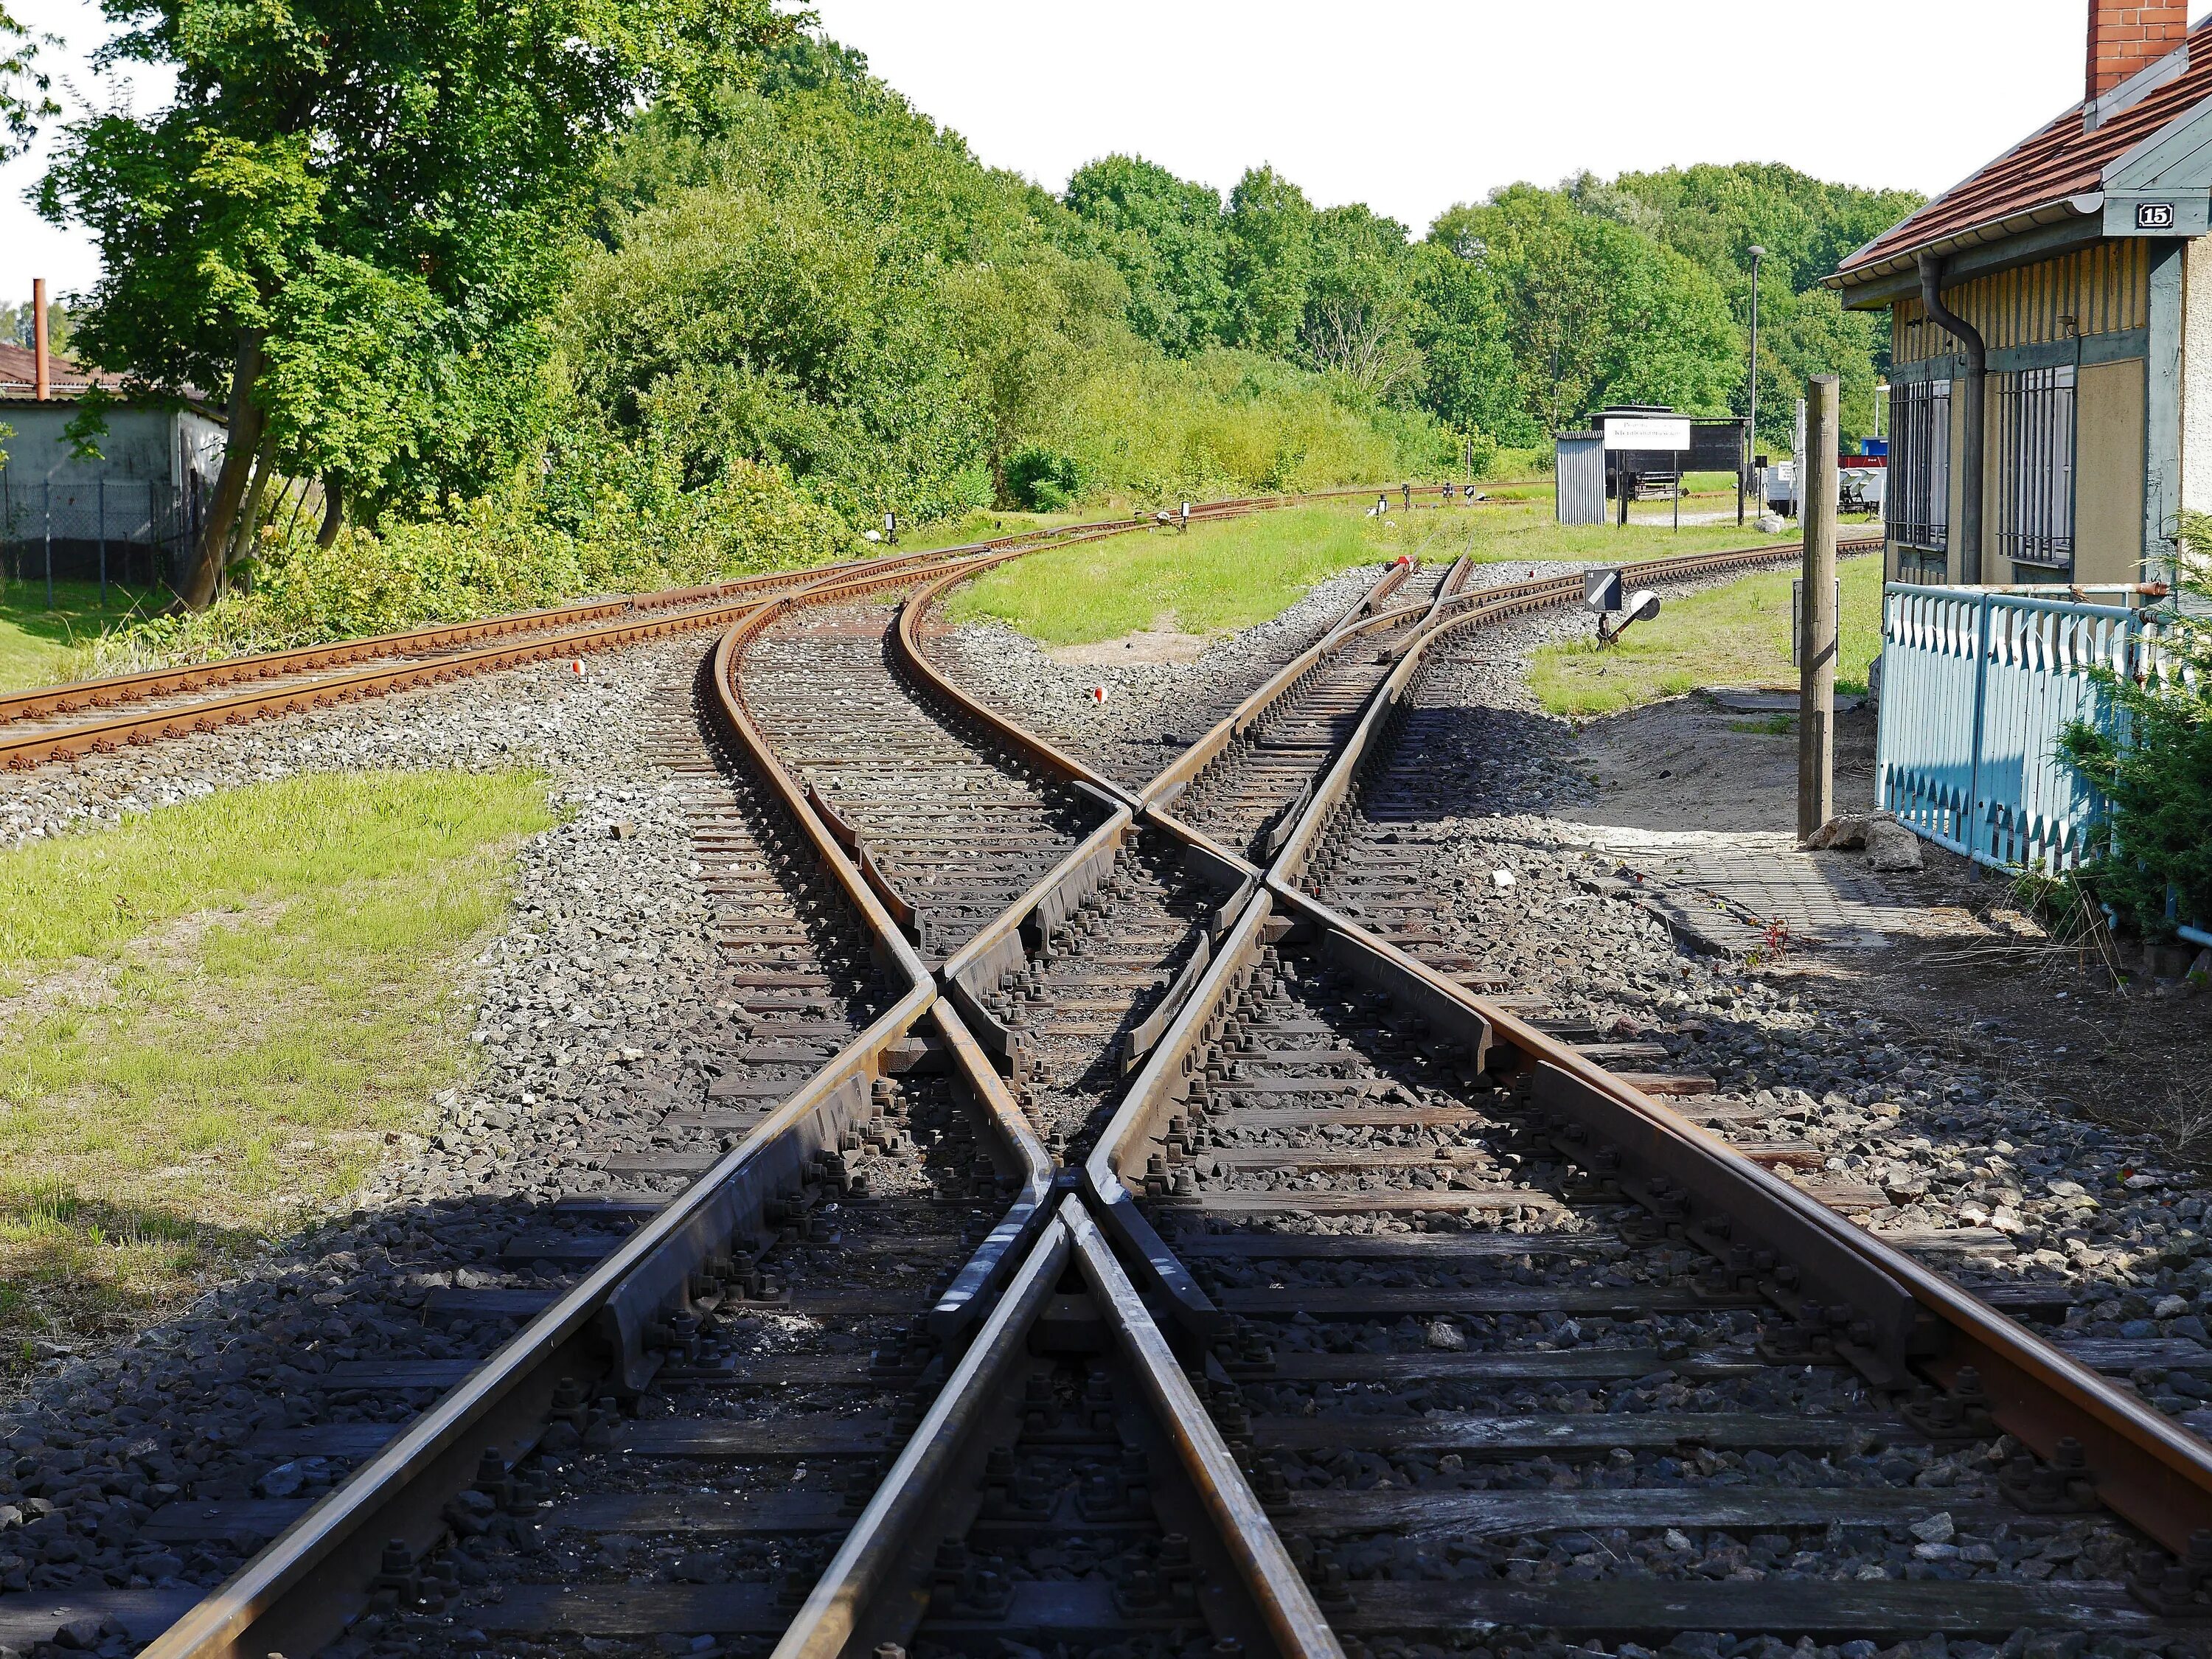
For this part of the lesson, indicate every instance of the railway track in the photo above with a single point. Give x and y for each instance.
(1277, 1291)
(98, 716)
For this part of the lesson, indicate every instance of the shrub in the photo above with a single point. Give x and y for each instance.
(1041, 480)
(2152, 758)
(496, 554)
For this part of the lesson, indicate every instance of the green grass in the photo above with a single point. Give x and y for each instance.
(1738, 635)
(213, 1017)
(1237, 572)
(38, 646)
(985, 524)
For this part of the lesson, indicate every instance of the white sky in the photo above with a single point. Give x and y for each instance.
(1410, 106)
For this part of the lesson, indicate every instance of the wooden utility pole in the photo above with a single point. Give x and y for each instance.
(1817, 619)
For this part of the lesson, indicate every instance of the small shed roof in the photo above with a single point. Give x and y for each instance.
(2061, 171)
(66, 377)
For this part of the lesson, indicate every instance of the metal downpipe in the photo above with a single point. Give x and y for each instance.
(1977, 421)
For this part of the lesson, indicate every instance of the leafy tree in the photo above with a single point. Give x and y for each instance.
(1166, 237)
(1597, 313)
(1460, 326)
(19, 322)
(1026, 328)
(23, 85)
(733, 326)
(1716, 215)
(1271, 251)
(1359, 309)
(2149, 754)
(421, 159)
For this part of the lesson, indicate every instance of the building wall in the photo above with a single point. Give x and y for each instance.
(153, 445)
(2105, 288)
(2196, 373)
(2023, 316)
(2108, 473)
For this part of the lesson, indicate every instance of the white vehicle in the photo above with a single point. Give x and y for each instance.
(1864, 489)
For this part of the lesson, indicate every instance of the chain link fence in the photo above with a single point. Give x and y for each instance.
(133, 531)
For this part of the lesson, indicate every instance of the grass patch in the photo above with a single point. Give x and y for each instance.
(38, 646)
(1236, 573)
(1738, 635)
(215, 1015)
(985, 524)
(1774, 726)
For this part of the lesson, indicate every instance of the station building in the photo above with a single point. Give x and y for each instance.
(2052, 331)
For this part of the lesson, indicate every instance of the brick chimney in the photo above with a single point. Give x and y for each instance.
(2126, 39)
(42, 365)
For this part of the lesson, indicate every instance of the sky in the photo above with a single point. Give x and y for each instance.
(1410, 105)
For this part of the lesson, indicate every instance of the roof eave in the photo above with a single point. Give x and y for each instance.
(2084, 211)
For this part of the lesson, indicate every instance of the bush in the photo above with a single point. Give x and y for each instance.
(1041, 480)
(1236, 423)
(2151, 757)
(496, 554)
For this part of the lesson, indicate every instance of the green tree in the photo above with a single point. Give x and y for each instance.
(1271, 251)
(2147, 751)
(1027, 329)
(24, 87)
(1716, 215)
(1460, 326)
(1596, 312)
(420, 158)
(1165, 236)
(19, 322)
(1359, 309)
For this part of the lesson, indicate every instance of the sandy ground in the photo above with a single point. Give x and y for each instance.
(1687, 764)
(1152, 646)
(2036, 994)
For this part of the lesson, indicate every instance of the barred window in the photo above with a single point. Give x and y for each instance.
(2034, 440)
(1919, 491)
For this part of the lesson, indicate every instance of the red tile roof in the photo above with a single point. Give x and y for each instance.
(66, 377)
(2062, 159)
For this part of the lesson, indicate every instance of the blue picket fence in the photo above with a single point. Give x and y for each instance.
(1977, 688)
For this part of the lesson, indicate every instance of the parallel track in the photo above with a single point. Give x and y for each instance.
(1399, 1234)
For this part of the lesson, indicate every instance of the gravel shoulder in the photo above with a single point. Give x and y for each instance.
(1992, 1100)
(595, 1016)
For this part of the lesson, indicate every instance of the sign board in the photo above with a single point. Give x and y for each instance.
(1647, 432)
(2180, 214)
(1601, 590)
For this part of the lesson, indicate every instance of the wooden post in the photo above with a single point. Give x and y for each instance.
(1816, 684)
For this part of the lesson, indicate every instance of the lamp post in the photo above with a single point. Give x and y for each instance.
(1756, 254)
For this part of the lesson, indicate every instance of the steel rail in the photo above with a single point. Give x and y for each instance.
(296, 1593)
(865, 1597)
(297, 1587)
(1179, 773)
(713, 606)
(441, 636)
(21, 750)
(2144, 1467)
(262, 664)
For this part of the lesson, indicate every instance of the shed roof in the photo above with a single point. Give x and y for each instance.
(66, 377)
(2051, 174)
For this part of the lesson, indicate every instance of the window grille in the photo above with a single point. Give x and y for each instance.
(2035, 446)
(1919, 491)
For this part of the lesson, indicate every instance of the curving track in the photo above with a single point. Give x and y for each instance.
(1265, 1287)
